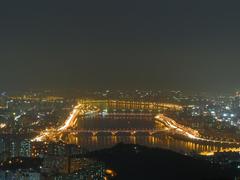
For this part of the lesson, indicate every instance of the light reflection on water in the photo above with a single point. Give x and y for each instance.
(161, 141)
(101, 141)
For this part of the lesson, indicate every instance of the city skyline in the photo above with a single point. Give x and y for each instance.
(119, 90)
(44, 135)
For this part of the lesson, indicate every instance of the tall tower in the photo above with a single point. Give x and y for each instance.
(236, 103)
(3, 100)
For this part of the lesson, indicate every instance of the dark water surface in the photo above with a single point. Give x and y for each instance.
(116, 122)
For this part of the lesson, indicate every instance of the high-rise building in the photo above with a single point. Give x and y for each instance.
(25, 148)
(2, 145)
(3, 100)
(13, 149)
(57, 149)
(20, 175)
(236, 103)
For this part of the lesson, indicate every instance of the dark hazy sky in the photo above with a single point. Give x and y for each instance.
(190, 45)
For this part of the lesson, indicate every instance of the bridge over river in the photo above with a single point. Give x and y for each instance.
(94, 107)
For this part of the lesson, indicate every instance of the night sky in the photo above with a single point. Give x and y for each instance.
(172, 44)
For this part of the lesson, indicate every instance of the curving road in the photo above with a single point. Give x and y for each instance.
(180, 129)
(70, 122)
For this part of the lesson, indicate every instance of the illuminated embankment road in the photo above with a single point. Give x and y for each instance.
(190, 133)
(70, 122)
(173, 125)
(211, 153)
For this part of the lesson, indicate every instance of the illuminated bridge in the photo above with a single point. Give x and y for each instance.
(114, 132)
(132, 105)
(92, 107)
